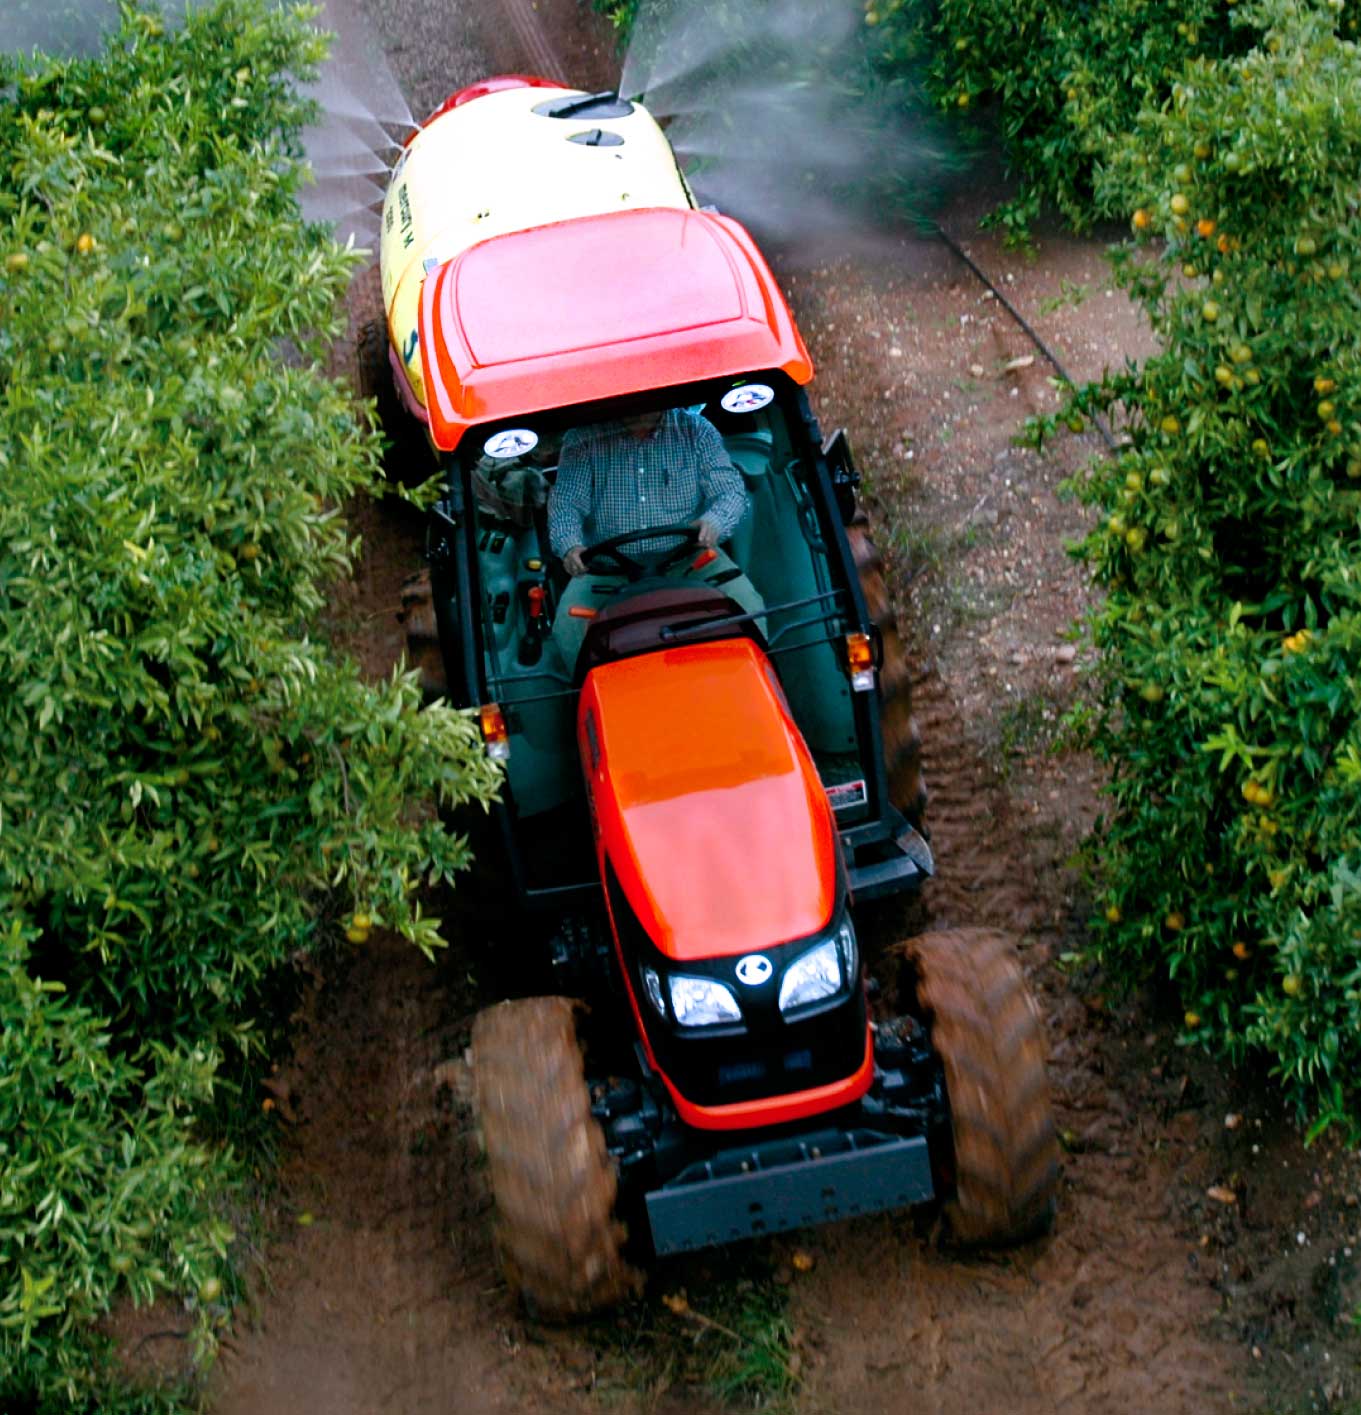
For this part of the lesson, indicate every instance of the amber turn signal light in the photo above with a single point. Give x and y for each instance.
(495, 736)
(860, 662)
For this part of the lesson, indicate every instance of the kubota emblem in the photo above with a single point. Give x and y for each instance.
(754, 969)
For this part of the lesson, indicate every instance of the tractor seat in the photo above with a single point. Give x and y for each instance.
(634, 625)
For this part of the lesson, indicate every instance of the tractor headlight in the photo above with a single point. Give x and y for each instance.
(702, 1002)
(822, 972)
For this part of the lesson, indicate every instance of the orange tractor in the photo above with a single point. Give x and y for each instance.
(703, 787)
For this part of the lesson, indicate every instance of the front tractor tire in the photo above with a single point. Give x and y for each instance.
(985, 1028)
(902, 741)
(551, 1178)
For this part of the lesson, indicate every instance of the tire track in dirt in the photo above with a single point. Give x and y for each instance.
(1102, 1316)
(533, 41)
(377, 1300)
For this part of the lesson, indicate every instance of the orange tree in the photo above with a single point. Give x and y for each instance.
(1065, 82)
(194, 786)
(1230, 551)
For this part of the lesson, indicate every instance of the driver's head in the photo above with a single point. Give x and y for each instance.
(643, 424)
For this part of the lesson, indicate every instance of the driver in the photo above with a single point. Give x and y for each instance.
(651, 469)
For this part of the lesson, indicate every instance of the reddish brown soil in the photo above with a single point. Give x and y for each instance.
(1151, 1296)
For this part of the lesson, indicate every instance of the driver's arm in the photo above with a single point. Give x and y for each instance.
(569, 503)
(720, 484)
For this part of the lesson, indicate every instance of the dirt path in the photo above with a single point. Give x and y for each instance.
(388, 1299)
(376, 1301)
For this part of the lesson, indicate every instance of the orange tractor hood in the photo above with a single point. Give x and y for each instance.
(706, 801)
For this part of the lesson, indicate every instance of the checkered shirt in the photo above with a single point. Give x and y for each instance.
(611, 482)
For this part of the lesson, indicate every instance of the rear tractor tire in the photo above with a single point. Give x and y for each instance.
(551, 1178)
(902, 741)
(407, 457)
(417, 618)
(985, 1027)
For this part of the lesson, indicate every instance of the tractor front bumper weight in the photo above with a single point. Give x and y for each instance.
(782, 1184)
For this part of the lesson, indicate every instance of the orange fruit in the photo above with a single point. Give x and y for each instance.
(16, 262)
(250, 550)
(1180, 205)
(1141, 220)
(1113, 914)
(85, 243)
(1170, 426)
(1292, 985)
(1324, 385)
(1205, 228)
(1209, 311)
(1192, 1019)
(1175, 922)
(1241, 950)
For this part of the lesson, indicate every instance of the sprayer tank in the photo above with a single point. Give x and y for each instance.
(508, 162)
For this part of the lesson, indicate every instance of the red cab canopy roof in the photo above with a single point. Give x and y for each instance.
(597, 308)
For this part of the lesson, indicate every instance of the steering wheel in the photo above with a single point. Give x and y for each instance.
(641, 564)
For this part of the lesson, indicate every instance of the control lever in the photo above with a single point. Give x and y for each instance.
(531, 646)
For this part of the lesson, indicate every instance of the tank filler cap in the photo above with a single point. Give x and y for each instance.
(597, 137)
(606, 104)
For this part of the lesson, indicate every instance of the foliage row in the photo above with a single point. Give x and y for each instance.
(1230, 551)
(194, 787)
(1065, 83)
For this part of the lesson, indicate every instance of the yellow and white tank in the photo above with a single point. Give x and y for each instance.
(495, 165)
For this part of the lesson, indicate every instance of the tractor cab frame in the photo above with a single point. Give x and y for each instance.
(494, 579)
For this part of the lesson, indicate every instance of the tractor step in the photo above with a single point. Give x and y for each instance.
(909, 864)
(792, 1183)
